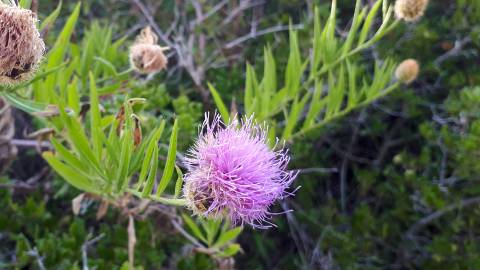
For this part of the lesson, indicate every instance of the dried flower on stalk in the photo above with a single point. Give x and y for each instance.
(145, 55)
(407, 71)
(21, 47)
(233, 173)
(410, 10)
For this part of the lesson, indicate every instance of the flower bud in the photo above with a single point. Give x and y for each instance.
(21, 47)
(410, 10)
(407, 71)
(145, 55)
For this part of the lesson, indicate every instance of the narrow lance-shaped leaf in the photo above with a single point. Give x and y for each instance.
(95, 118)
(294, 115)
(170, 164)
(368, 22)
(230, 251)
(251, 91)
(194, 228)
(357, 18)
(317, 46)
(144, 152)
(353, 96)
(152, 175)
(294, 69)
(227, 236)
(126, 149)
(269, 82)
(48, 22)
(69, 174)
(179, 183)
(220, 104)
(211, 227)
(59, 49)
(316, 105)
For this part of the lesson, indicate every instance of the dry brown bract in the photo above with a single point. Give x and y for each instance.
(145, 55)
(21, 47)
(410, 10)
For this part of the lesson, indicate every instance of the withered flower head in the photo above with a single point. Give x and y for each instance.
(407, 71)
(146, 56)
(21, 47)
(410, 10)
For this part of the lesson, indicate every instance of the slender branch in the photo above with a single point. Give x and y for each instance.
(438, 214)
(167, 201)
(152, 23)
(185, 234)
(39, 259)
(256, 34)
(456, 50)
(207, 15)
(317, 170)
(31, 143)
(85, 247)
(321, 124)
(345, 162)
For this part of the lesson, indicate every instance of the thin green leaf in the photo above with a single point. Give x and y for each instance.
(23, 104)
(69, 174)
(95, 118)
(227, 236)
(179, 183)
(368, 22)
(48, 22)
(230, 251)
(149, 154)
(152, 174)
(220, 104)
(170, 164)
(194, 228)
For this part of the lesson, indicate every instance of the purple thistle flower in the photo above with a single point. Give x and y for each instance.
(233, 173)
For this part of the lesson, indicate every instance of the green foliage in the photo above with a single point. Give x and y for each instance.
(217, 238)
(305, 98)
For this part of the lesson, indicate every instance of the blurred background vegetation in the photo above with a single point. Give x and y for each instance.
(408, 164)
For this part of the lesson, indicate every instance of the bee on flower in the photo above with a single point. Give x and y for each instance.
(233, 173)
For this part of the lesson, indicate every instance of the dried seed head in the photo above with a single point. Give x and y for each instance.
(407, 71)
(147, 58)
(21, 47)
(145, 55)
(147, 37)
(410, 10)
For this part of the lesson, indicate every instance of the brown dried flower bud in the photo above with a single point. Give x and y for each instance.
(21, 47)
(145, 55)
(410, 10)
(407, 71)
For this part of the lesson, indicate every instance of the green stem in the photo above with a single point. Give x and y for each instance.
(118, 75)
(358, 49)
(163, 200)
(302, 132)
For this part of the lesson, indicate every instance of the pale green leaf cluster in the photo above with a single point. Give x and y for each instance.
(96, 151)
(325, 84)
(217, 237)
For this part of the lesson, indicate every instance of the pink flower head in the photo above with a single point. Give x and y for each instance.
(233, 173)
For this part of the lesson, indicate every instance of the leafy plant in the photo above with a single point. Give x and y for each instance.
(324, 86)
